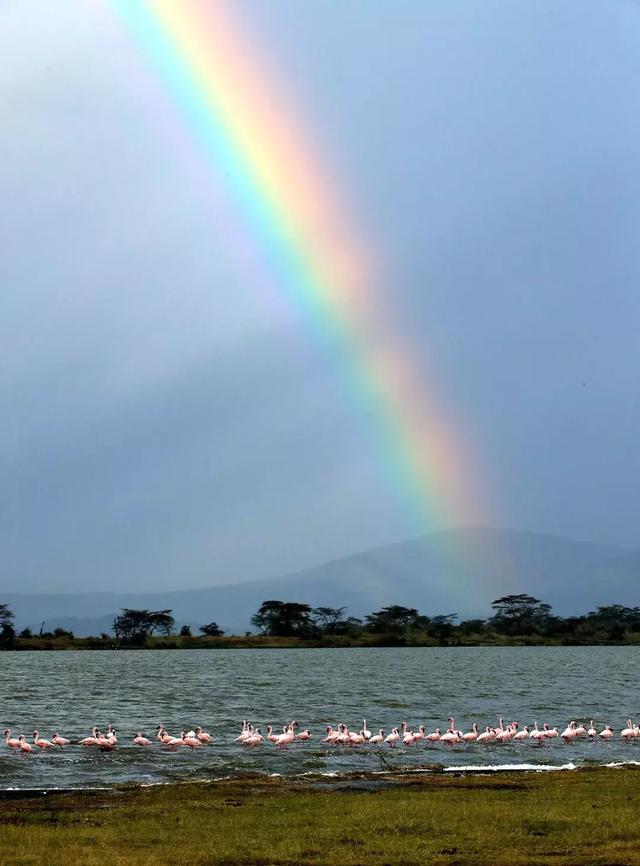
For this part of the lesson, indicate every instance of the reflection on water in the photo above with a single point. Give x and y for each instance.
(69, 692)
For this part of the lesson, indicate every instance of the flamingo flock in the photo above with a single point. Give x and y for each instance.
(340, 735)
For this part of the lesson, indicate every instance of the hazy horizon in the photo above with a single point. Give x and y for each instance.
(171, 421)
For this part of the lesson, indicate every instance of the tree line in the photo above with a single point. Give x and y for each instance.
(514, 616)
(518, 615)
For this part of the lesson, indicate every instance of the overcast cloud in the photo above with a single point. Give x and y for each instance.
(166, 420)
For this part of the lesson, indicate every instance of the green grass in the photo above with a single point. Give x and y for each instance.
(585, 817)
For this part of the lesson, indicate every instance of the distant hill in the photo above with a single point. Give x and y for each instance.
(459, 571)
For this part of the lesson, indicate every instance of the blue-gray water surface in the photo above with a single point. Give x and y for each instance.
(70, 692)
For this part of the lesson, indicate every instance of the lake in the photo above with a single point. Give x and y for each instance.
(71, 691)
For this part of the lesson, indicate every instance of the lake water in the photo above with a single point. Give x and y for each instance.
(70, 692)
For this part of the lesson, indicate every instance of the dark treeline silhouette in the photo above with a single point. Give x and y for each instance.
(516, 619)
(514, 616)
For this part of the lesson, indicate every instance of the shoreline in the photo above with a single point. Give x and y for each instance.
(233, 642)
(328, 780)
(585, 816)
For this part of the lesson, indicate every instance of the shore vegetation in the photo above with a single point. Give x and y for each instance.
(588, 817)
(517, 620)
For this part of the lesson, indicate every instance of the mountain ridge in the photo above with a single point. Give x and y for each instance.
(455, 570)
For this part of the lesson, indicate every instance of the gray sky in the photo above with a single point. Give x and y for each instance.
(166, 423)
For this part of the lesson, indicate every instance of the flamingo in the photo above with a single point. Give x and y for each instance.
(356, 739)
(58, 740)
(606, 733)
(285, 738)
(343, 736)
(193, 742)
(451, 737)
(12, 742)
(472, 735)
(487, 736)
(163, 736)
(419, 734)
(111, 735)
(507, 733)
(365, 732)
(392, 738)
(581, 731)
(23, 745)
(629, 732)
(408, 738)
(92, 740)
(592, 731)
(139, 740)
(40, 743)
(570, 732)
(273, 737)
(434, 736)
(550, 732)
(523, 734)
(105, 743)
(377, 738)
(537, 735)
(304, 735)
(254, 740)
(246, 732)
(203, 736)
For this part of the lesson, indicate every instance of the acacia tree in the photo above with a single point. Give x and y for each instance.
(520, 614)
(136, 626)
(212, 629)
(329, 619)
(393, 618)
(7, 631)
(284, 619)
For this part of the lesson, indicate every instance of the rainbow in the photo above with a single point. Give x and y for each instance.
(239, 115)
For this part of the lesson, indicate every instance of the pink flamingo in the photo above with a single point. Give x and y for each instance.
(23, 745)
(549, 732)
(606, 733)
(164, 736)
(92, 740)
(246, 732)
(365, 732)
(451, 737)
(304, 735)
(434, 736)
(254, 740)
(40, 743)
(523, 734)
(408, 738)
(592, 731)
(472, 736)
(193, 742)
(343, 737)
(378, 738)
(392, 738)
(487, 736)
(356, 739)
(419, 734)
(105, 743)
(12, 742)
(139, 740)
(570, 732)
(273, 737)
(629, 732)
(285, 738)
(59, 741)
(507, 733)
(203, 736)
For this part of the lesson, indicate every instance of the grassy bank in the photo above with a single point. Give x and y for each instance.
(335, 641)
(585, 817)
